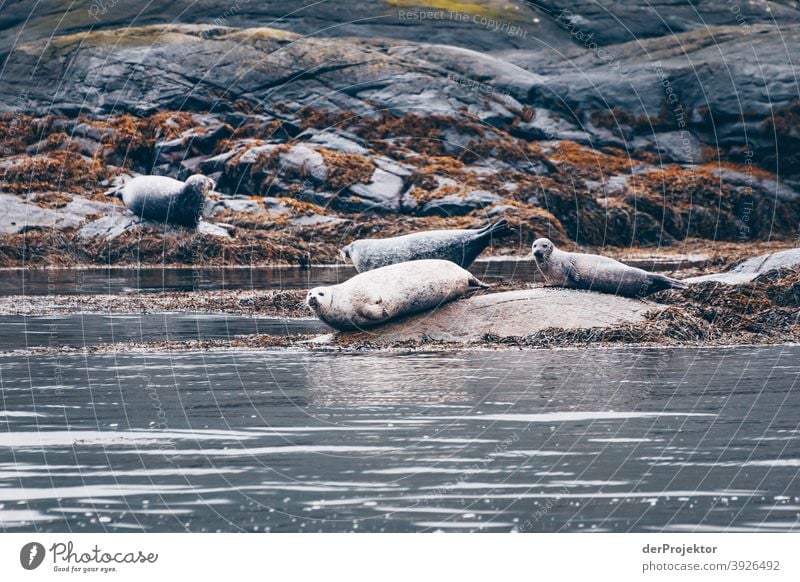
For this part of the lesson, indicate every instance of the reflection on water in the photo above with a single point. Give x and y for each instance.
(152, 279)
(88, 329)
(562, 440)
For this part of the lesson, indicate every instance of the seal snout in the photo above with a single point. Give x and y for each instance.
(542, 247)
(317, 298)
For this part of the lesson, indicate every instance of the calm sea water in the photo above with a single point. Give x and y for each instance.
(292, 440)
(91, 329)
(153, 279)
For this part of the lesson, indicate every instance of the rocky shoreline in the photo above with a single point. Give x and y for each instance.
(645, 140)
(316, 142)
(761, 307)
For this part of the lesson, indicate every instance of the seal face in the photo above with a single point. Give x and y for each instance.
(164, 199)
(596, 273)
(461, 247)
(377, 296)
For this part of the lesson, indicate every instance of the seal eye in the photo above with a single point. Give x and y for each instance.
(321, 294)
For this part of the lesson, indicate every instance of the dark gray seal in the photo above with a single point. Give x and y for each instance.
(596, 273)
(461, 247)
(166, 200)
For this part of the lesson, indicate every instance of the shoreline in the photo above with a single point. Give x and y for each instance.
(693, 253)
(301, 345)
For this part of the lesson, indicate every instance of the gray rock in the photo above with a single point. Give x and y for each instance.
(115, 225)
(110, 227)
(382, 193)
(457, 205)
(211, 229)
(678, 146)
(317, 219)
(547, 126)
(613, 186)
(20, 215)
(507, 314)
(305, 161)
(770, 188)
(236, 204)
(336, 140)
(751, 268)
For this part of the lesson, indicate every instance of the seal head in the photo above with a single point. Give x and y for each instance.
(542, 249)
(319, 299)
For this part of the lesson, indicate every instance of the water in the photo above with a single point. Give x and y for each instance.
(291, 440)
(152, 279)
(89, 281)
(89, 329)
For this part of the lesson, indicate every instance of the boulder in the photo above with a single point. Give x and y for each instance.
(20, 215)
(749, 269)
(382, 193)
(115, 225)
(507, 314)
(459, 205)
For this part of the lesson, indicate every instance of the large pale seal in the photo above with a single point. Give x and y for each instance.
(377, 296)
(164, 199)
(461, 247)
(595, 273)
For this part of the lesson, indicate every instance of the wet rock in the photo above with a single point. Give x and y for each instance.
(19, 215)
(613, 186)
(336, 140)
(211, 229)
(758, 184)
(751, 268)
(504, 315)
(317, 219)
(112, 226)
(237, 204)
(304, 161)
(382, 193)
(546, 125)
(459, 205)
(678, 146)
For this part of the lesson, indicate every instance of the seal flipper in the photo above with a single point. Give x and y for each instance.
(660, 283)
(474, 282)
(373, 311)
(496, 229)
(572, 277)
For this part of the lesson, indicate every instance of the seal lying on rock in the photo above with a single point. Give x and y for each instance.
(461, 247)
(166, 200)
(596, 273)
(377, 296)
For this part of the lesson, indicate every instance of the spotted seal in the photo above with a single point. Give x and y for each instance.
(595, 273)
(377, 296)
(166, 200)
(461, 247)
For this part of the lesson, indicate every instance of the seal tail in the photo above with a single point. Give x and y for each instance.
(496, 229)
(477, 283)
(115, 192)
(660, 283)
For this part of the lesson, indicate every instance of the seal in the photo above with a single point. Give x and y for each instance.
(461, 247)
(377, 296)
(596, 273)
(164, 199)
